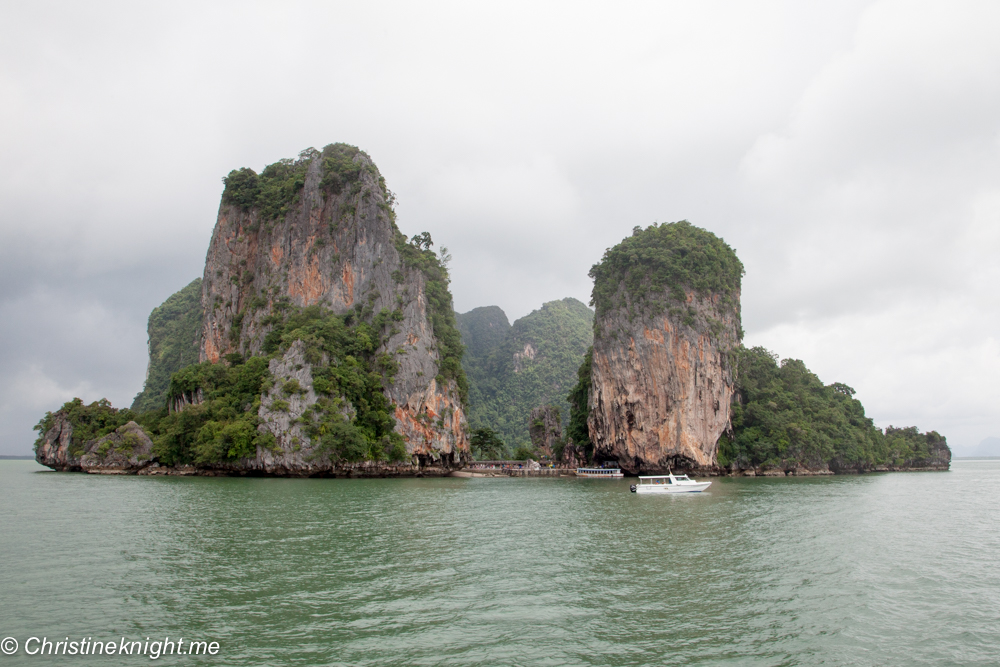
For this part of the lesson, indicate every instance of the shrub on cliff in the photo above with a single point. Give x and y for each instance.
(666, 259)
(277, 187)
(273, 191)
(339, 167)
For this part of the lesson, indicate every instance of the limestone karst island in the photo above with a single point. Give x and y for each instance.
(321, 340)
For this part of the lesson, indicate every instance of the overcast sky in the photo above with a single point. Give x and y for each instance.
(849, 151)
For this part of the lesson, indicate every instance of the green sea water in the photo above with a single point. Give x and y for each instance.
(888, 569)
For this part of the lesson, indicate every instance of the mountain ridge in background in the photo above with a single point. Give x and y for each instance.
(174, 330)
(514, 368)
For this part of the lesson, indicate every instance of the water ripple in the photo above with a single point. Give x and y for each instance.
(872, 570)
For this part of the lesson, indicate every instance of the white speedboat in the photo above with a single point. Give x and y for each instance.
(668, 484)
(604, 473)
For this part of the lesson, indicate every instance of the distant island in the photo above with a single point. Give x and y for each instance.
(322, 341)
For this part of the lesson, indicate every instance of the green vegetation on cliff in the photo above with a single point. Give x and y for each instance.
(174, 334)
(416, 254)
(273, 191)
(351, 421)
(277, 187)
(514, 369)
(339, 167)
(223, 427)
(785, 416)
(908, 447)
(666, 259)
(352, 418)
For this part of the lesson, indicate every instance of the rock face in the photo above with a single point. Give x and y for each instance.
(55, 447)
(572, 456)
(662, 382)
(126, 450)
(545, 428)
(334, 244)
(661, 389)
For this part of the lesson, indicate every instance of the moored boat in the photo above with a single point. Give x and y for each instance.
(668, 484)
(605, 473)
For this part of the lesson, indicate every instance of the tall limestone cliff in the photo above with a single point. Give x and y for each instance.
(320, 231)
(667, 322)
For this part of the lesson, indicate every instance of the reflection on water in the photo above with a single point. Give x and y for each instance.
(877, 569)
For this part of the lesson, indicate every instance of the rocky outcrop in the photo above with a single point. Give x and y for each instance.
(126, 450)
(55, 447)
(661, 379)
(791, 470)
(545, 428)
(333, 244)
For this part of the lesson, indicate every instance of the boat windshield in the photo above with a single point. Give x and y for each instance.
(664, 479)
